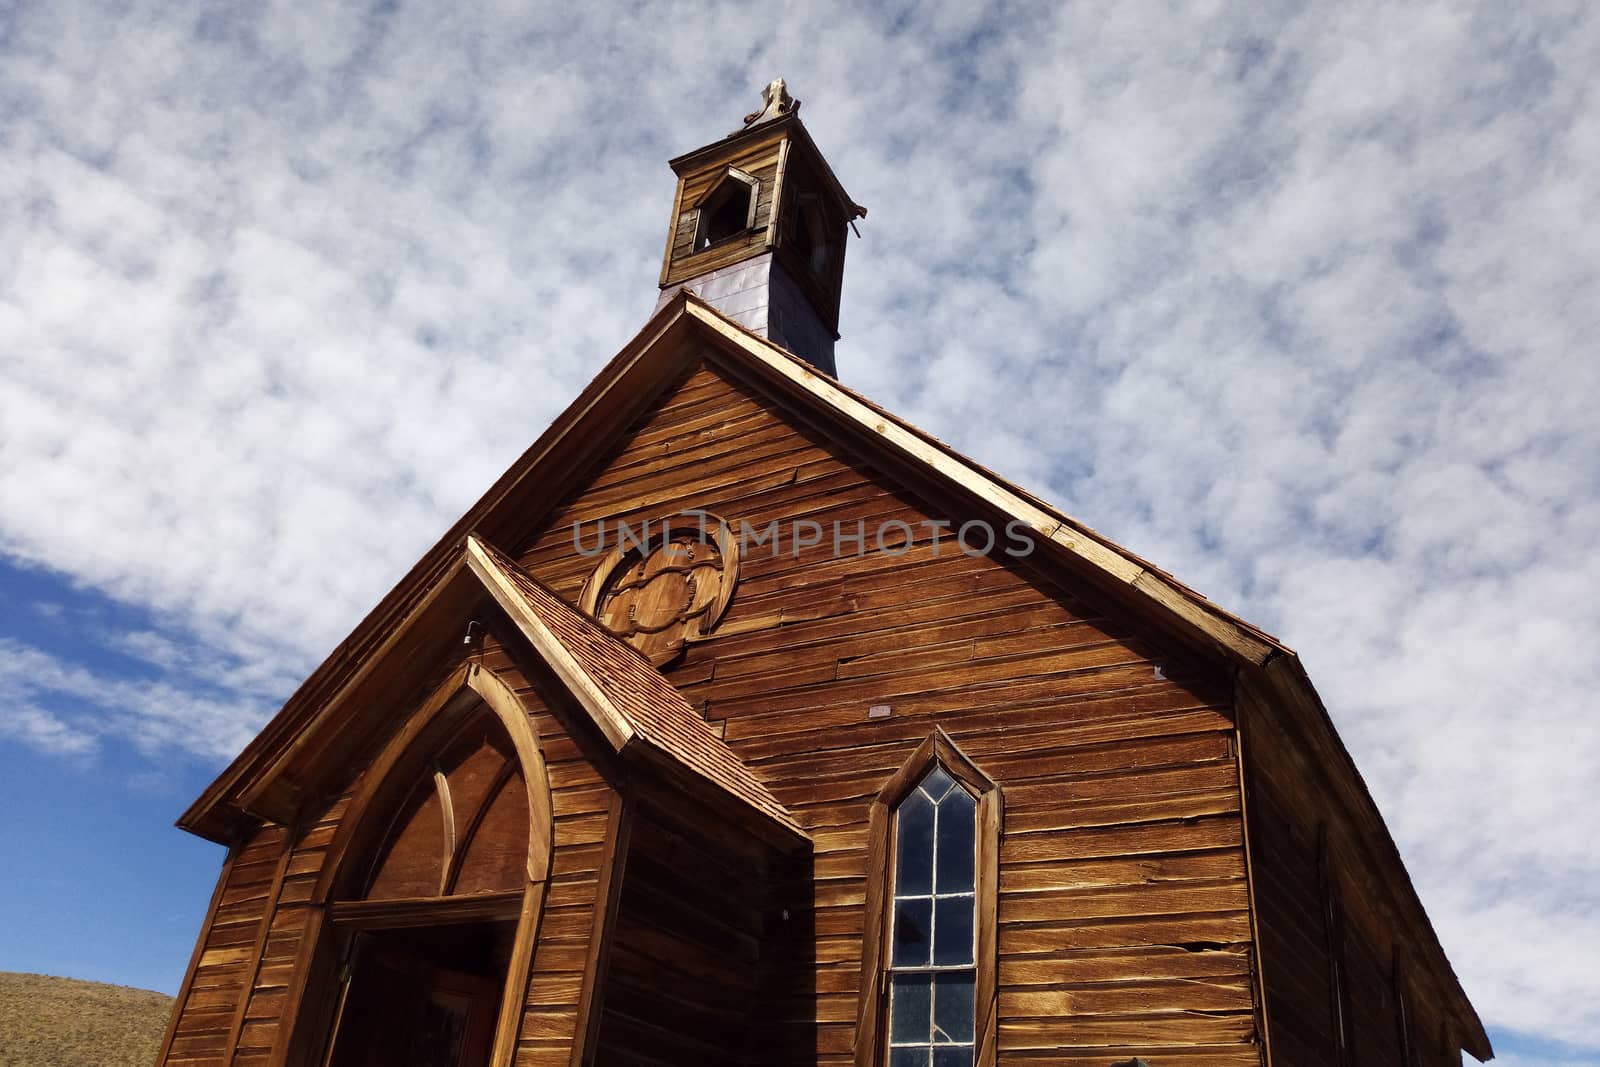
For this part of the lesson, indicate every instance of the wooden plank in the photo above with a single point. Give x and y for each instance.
(1174, 1030)
(519, 975)
(1257, 969)
(403, 912)
(286, 843)
(187, 990)
(666, 256)
(1295, 743)
(774, 234)
(870, 1012)
(612, 870)
(1101, 966)
(991, 829)
(1125, 998)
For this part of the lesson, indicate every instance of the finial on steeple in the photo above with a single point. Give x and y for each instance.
(775, 102)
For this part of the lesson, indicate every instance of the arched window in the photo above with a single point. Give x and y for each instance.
(464, 827)
(929, 955)
(932, 960)
(729, 209)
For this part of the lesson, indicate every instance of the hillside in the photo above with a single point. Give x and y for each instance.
(62, 1022)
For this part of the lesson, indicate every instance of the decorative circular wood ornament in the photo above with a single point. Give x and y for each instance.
(664, 584)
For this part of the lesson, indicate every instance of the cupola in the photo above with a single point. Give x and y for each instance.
(758, 230)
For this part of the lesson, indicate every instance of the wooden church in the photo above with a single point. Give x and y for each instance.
(743, 723)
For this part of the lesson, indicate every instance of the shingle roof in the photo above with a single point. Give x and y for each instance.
(630, 700)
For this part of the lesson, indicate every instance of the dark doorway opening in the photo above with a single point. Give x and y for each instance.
(422, 996)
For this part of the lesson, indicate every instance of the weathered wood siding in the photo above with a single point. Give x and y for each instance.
(1124, 923)
(687, 950)
(282, 957)
(1322, 956)
(210, 1003)
(1294, 931)
(582, 801)
(273, 880)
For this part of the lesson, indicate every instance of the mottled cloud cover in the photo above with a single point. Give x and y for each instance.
(1298, 300)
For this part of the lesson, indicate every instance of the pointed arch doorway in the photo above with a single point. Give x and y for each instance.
(435, 888)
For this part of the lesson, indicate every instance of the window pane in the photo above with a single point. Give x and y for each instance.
(908, 1008)
(954, 925)
(913, 871)
(953, 1007)
(956, 842)
(960, 1056)
(908, 1057)
(937, 783)
(912, 919)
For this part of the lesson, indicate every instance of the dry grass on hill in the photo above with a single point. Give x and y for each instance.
(62, 1022)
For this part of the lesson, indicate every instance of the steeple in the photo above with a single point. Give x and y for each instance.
(758, 229)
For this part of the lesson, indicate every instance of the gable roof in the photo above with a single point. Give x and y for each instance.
(682, 331)
(685, 330)
(638, 712)
(631, 702)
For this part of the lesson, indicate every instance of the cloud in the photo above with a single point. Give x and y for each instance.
(67, 708)
(1295, 300)
(44, 731)
(1558, 1058)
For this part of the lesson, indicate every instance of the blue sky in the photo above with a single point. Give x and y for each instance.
(1297, 300)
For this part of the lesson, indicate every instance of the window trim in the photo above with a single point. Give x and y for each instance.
(702, 212)
(871, 1032)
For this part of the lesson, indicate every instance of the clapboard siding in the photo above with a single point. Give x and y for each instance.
(1299, 946)
(279, 965)
(1124, 913)
(690, 937)
(273, 957)
(1294, 932)
(1320, 853)
(1374, 1014)
(206, 1013)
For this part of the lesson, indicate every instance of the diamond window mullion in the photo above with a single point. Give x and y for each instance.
(932, 932)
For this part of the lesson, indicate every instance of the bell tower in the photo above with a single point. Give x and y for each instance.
(758, 230)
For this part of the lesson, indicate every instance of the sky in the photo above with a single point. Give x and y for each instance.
(1297, 300)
